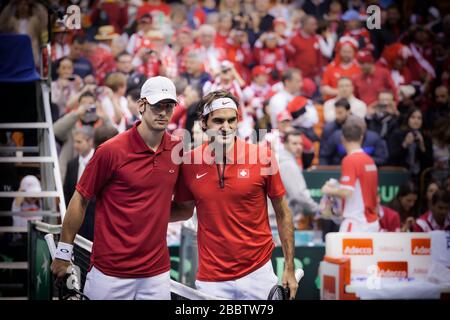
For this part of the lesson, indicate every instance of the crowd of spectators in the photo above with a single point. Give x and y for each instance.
(303, 67)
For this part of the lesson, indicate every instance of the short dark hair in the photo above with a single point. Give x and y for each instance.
(289, 73)
(79, 39)
(209, 98)
(123, 53)
(103, 133)
(352, 132)
(440, 196)
(342, 103)
(134, 94)
(86, 94)
(292, 133)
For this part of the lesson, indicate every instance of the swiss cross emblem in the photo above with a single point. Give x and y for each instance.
(243, 173)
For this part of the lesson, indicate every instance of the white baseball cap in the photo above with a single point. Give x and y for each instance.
(30, 184)
(158, 88)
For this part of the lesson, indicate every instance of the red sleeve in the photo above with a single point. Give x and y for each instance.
(348, 174)
(98, 172)
(182, 192)
(391, 85)
(326, 79)
(274, 184)
(417, 228)
(396, 224)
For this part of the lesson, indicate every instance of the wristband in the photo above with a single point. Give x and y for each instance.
(64, 251)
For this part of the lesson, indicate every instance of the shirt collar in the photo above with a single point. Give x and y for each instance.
(139, 146)
(234, 155)
(357, 150)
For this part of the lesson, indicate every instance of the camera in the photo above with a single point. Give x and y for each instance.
(91, 108)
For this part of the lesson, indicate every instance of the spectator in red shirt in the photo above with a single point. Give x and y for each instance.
(182, 45)
(353, 29)
(153, 7)
(270, 53)
(394, 57)
(223, 29)
(102, 60)
(344, 65)
(304, 51)
(210, 53)
(114, 12)
(438, 218)
(145, 24)
(371, 81)
(239, 52)
(389, 219)
(421, 60)
(406, 204)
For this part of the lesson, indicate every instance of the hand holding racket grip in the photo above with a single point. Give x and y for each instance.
(51, 244)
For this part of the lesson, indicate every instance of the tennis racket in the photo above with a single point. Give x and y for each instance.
(69, 286)
(278, 292)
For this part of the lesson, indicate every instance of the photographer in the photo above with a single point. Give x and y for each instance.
(384, 120)
(409, 147)
(88, 112)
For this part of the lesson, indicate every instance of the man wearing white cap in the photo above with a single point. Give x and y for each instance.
(228, 180)
(132, 177)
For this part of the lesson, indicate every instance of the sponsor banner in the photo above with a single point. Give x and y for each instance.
(393, 269)
(420, 247)
(354, 247)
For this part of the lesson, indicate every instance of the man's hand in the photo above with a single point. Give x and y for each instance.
(290, 281)
(59, 268)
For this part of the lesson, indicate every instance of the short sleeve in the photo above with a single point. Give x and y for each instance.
(182, 192)
(98, 172)
(326, 77)
(271, 171)
(348, 175)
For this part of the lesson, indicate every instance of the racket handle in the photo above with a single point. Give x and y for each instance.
(299, 274)
(51, 244)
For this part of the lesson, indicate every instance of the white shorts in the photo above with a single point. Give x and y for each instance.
(100, 286)
(254, 286)
(353, 225)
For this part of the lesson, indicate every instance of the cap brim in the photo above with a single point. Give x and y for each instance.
(159, 97)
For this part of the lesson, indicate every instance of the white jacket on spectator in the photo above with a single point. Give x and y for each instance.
(357, 107)
(108, 108)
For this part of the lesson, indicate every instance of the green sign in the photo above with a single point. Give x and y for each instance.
(388, 182)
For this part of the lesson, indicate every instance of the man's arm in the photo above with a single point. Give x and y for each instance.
(336, 191)
(181, 211)
(286, 232)
(72, 222)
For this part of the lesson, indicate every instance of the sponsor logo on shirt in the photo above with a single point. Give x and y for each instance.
(198, 176)
(329, 288)
(370, 167)
(357, 247)
(420, 247)
(393, 269)
(243, 173)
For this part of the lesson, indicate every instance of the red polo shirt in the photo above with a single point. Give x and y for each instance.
(133, 186)
(234, 236)
(304, 54)
(334, 71)
(368, 86)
